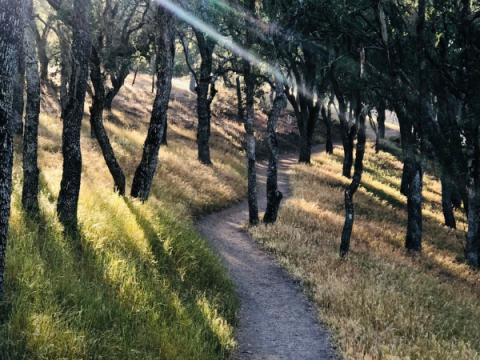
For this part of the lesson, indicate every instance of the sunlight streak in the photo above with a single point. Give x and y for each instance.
(228, 43)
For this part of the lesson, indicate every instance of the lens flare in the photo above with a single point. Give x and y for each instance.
(228, 43)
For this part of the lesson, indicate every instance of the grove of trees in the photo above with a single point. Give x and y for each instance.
(417, 59)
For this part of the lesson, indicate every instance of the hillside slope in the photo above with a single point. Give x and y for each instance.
(138, 283)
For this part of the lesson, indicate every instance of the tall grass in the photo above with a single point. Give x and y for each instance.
(380, 303)
(138, 282)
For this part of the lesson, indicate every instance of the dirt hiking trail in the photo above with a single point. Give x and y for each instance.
(277, 322)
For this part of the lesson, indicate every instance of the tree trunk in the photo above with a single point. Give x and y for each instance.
(381, 119)
(72, 121)
(96, 120)
(32, 114)
(349, 192)
(164, 137)
(193, 83)
(348, 135)
(250, 135)
(274, 196)
(145, 172)
(327, 118)
(241, 113)
(473, 187)
(414, 206)
(65, 68)
(448, 190)
(10, 28)
(203, 108)
(18, 101)
(117, 82)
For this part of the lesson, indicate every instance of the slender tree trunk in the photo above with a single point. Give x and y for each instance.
(10, 28)
(241, 112)
(473, 187)
(250, 135)
(43, 59)
(18, 101)
(328, 123)
(414, 204)
(448, 190)
(96, 120)
(145, 172)
(72, 121)
(350, 191)
(193, 83)
(348, 135)
(118, 83)
(274, 196)
(381, 119)
(30, 141)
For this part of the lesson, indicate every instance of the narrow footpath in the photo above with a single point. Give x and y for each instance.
(277, 322)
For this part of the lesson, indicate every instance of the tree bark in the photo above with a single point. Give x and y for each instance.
(381, 109)
(349, 192)
(72, 120)
(249, 129)
(274, 196)
(203, 108)
(96, 120)
(414, 206)
(32, 114)
(327, 118)
(448, 190)
(473, 191)
(65, 68)
(241, 112)
(145, 172)
(10, 28)
(18, 101)
(348, 134)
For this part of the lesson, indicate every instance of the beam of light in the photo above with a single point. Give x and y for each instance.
(227, 42)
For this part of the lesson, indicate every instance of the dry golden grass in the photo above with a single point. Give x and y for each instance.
(145, 285)
(380, 303)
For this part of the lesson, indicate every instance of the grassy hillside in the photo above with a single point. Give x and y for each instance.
(380, 303)
(138, 283)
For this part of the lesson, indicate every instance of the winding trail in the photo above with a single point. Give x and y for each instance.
(277, 322)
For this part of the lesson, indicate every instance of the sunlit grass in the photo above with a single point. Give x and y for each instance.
(380, 303)
(138, 282)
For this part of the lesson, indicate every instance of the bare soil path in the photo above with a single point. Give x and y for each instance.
(277, 322)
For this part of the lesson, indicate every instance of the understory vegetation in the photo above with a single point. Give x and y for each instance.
(138, 282)
(381, 302)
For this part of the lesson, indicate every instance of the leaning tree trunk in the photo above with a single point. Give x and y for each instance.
(349, 192)
(165, 59)
(448, 191)
(274, 196)
(250, 135)
(32, 114)
(72, 120)
(10, 28)
(18, 102)
(96, 120)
